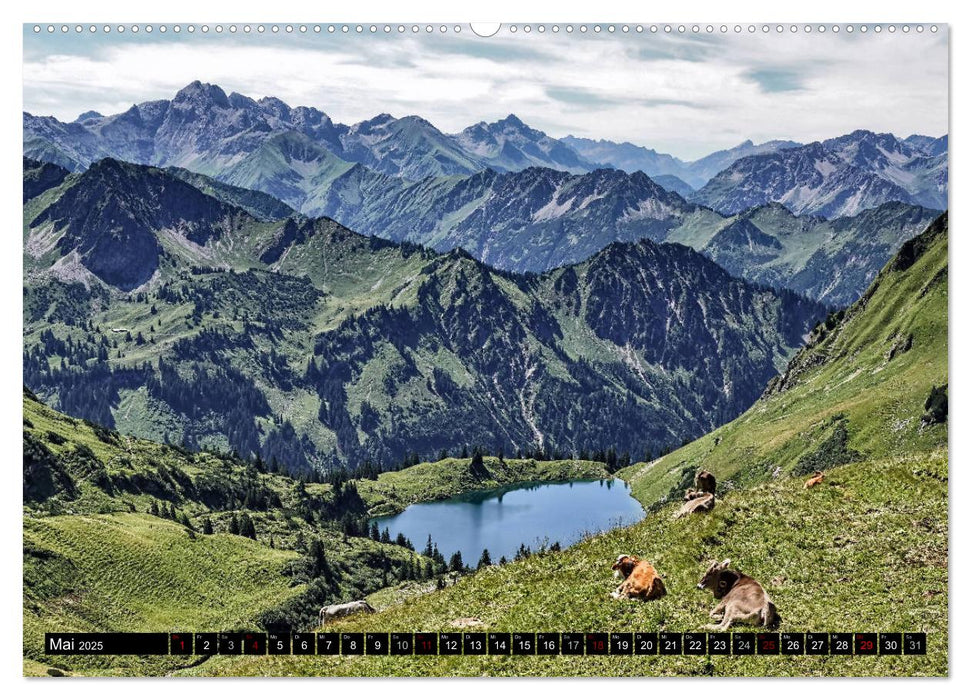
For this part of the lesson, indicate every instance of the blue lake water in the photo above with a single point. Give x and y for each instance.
(530, 514)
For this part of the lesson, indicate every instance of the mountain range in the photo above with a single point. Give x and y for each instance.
(837, 177)
(249, 142)
(523, 201)
(538, 219)
(854, 402)
(245, 275)
(160, 309)
(205, 130)
(694, 174)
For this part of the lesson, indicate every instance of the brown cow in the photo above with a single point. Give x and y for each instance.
(742, 598)
(815, 480)
(641, 580)
(705, 481)
(700, 504)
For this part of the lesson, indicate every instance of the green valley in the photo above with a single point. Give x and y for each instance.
(172, 312)
(865, 401)
(126, 534)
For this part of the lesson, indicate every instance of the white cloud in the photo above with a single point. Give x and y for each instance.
(681, 94)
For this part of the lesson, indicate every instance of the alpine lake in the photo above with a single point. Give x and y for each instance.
(536, 515)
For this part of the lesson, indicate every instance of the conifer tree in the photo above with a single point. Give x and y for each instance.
(456, 563)
(246, 527)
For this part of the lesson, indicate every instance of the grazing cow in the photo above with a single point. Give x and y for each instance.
(741, 598)
(641, 580)
(700, 504)
(815, 480)
(705, 482)
(332, 612)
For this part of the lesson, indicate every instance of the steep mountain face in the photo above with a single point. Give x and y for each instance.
(254, 202)
(838, 177)
(920, 169)
(203, 128)
(40, 177)
(831, 261)
(532, 220)
(305, 342)
(409, 147)
(289, 166)
(509, 145)
(871, 383)
(928, 145)
(706, 168)
(675, 184)
(840, 271)
(70, 146)
(110, 219)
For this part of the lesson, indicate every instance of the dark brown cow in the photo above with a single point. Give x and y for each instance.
(705, 481)
(741, 598)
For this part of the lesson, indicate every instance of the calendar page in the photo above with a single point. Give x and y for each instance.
(530, 350)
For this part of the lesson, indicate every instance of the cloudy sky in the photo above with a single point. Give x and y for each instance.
(678, 93)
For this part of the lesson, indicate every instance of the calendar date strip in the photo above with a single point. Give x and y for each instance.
(487, 643)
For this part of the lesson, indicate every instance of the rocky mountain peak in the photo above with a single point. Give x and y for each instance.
(91, 114)
(199, 94)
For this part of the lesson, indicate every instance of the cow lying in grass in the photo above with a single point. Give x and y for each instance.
(815, 480)
(741, 598)
(641, 580)
(699, 504)
(332, 612)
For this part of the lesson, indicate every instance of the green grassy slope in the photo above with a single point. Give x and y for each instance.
(95, 559)
(111, 472)
(857, 391)
(132, 571)
(865, 551)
